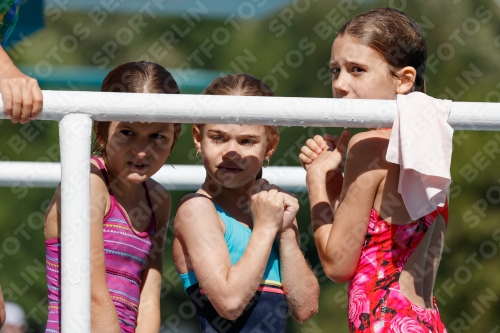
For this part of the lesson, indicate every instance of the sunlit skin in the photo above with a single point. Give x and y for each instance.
(233, 154)
(136, 151)
(341, 204)
(359, 72)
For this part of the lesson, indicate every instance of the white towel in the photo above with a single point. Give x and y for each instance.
(421, 143)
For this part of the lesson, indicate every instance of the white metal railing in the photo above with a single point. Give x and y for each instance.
(74, 111)
(283, 111)
(178, 177)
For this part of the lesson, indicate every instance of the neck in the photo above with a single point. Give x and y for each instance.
(121, 187)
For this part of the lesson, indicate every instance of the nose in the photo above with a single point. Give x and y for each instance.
(340, 87)
(142, 148)
(231, 150)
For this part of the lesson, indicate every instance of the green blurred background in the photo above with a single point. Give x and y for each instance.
(288, 47)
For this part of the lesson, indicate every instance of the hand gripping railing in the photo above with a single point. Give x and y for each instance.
(75, 110)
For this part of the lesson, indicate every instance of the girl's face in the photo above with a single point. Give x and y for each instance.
(360, 72)
(136, 151)
(232, 154)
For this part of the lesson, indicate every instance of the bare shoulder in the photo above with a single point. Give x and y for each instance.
(195, 211)
(99, 194)
(99, 202)
(97, 181)
(370, 139)
(368, 149)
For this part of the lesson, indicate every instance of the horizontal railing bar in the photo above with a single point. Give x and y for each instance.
(282, 111)
(179, 177)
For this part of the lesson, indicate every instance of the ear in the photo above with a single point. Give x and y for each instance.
(271, 148)
(406, 79)
(197, 134)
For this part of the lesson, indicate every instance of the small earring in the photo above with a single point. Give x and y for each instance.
(199, 156)
(265, 165)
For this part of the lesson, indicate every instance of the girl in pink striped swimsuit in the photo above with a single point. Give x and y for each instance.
(129, 214)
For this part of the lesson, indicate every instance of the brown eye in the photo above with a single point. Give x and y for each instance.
(248, 142)
(127, 132)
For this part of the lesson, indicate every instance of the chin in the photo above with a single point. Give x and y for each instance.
(136, 179)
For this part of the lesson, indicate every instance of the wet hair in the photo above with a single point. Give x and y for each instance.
(242, 85)
(134, 77)
(394, 36)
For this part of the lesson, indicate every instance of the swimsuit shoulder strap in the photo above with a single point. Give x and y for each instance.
(102, 168)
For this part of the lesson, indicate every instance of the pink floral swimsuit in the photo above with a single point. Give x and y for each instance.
(376, 303)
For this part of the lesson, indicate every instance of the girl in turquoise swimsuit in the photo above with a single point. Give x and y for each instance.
(236, 239)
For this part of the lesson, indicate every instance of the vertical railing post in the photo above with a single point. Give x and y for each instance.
(75, 137)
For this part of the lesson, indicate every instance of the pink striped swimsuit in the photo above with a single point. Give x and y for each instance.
(126, 253)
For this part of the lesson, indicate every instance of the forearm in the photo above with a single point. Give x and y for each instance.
(6, 63)
(104, 317)
(322, 219)
(231, 290)
(245, 277)
(321, 211)
(299, 282)
(334, 183)
(148, 319)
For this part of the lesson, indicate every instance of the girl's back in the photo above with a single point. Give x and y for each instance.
(399, 257)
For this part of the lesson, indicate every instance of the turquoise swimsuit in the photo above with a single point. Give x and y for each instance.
(267, 310)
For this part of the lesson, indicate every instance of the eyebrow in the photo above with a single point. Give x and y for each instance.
(220, 132)
(215, 131)
(250, 136)
(153, 129)
(350, 62)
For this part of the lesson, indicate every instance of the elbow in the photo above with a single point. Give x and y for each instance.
(336, 274)
(230, 308)
(309, 305)
(305, 312)
(304, 316)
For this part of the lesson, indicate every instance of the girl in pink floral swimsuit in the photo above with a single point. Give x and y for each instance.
(362, 229)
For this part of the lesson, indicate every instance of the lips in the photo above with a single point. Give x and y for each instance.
(229, 168)
(138, 166)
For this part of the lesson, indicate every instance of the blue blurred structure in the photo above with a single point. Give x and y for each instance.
(215, 9)
(67, 77)
(31, 19)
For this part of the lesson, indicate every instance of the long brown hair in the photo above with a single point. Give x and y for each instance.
(395, 36)
(134, 77)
